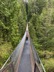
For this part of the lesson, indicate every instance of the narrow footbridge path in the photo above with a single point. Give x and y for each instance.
(25, 62)
(24, 58)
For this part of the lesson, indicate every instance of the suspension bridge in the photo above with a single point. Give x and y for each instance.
(24, 58)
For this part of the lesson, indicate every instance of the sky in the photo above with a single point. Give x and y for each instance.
(25, 0)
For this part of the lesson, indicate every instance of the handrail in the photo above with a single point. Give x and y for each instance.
(42, 66)
(5, 63)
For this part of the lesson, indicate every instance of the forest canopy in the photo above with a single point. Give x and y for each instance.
(13, 20)
(12, 26)
(41, 27)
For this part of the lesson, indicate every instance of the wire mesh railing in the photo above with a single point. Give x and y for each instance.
(37, 59)
(10, 64)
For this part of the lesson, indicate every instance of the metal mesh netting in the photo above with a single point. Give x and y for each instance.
(36, 58)
(8, 68)
(10, 64)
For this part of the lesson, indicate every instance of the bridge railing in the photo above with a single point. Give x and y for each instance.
(10, 64)
(37, 59)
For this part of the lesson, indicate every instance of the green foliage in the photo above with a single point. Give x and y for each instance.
(5, 51)
(12, 26)
(47, 57)
(43, 22)
(11, 16)
(49, 64)
(41, 27)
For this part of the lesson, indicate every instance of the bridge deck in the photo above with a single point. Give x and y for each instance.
(25, 63)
